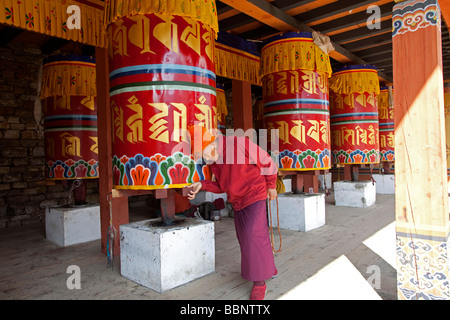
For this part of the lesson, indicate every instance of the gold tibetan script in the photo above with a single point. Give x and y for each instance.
(205, 117)
(192, 37)
(70, 145)
(135, 122)
(139, 33)
(117, 120)
(89, 102)
(160, 131)
(62, 102)
(119, 40)
(94, 147)
(294, 82)
(319, 131)
(387, 140)
(355, 136)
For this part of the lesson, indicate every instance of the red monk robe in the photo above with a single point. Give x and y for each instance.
(245, 173)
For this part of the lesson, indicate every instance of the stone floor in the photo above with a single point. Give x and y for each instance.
(351, 257)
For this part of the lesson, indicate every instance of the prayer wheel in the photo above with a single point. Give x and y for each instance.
(295, 93)
(386, 124)
(222, 110)
(162, 80)
(354, 115)
(70, 113)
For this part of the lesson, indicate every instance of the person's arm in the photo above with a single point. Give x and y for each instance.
(263, 161)
(205, 185)
(211, 186)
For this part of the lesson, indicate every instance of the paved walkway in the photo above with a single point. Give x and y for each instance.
(351, 257)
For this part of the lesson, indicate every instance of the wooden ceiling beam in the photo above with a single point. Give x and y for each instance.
(372, 52)
(369, 42)
(287, 5)
(363, 32)
(7, 34)
(352, 20)
(269, 14)
(53, 44)
(333, 9)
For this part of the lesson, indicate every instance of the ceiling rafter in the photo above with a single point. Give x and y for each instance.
(276, 18)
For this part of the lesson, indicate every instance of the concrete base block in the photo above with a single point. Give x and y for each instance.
(164, 257)
(66, 226)
(359, 194)
(328, 179)
(385, 183)
(299, 212)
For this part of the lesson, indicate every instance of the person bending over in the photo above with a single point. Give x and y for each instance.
(248, 175)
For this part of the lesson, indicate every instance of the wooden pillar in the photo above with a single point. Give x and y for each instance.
(311, 180)
(351, 172)
(242, 105)
(297, 183)
(421, 199)
(119, 204)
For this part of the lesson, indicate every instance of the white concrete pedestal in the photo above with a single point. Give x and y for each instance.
(385, 183)
(359, 194)
(162, 258)
(299, 212)
(66, 226)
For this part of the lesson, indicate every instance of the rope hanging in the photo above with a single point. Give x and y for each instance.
(110, 238)
(271, 227)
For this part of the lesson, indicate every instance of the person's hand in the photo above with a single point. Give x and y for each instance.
(195, 188)
(271, 194)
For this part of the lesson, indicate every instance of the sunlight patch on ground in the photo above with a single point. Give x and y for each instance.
(339, 280)
(383, 243)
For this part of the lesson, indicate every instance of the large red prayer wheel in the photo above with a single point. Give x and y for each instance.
(354, 115)
(162, 80)
(70, 110)
(386, 124)
(295, 95)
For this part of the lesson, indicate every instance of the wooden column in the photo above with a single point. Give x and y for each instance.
(421, 198)
(311, 180)
(119, 204)
(242, 105)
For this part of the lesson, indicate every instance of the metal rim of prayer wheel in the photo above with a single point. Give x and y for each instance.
(354, 115)
(296, 101)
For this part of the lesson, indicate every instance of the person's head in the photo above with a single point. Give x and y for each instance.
(203, 144)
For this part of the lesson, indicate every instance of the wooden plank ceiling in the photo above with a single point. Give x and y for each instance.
(344, 21)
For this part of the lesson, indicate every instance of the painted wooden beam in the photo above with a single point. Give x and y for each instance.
(118, 204)
(421, 194)
(242, 105)
(269, 14)
(445, 9)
